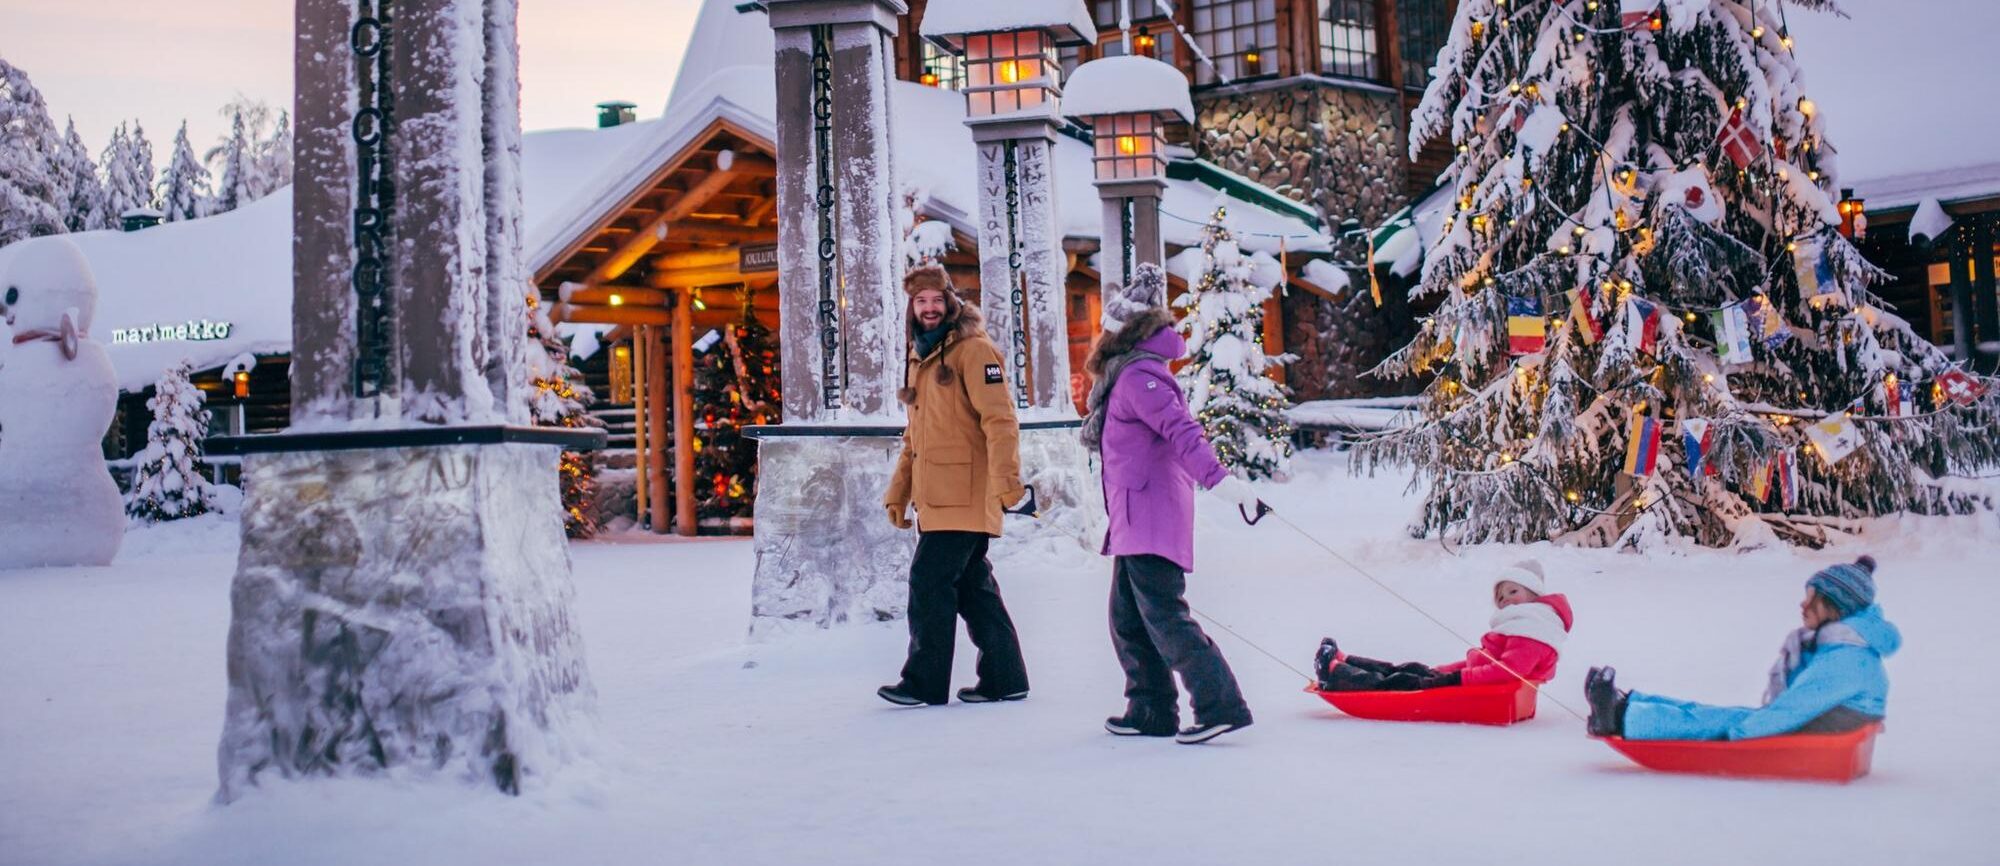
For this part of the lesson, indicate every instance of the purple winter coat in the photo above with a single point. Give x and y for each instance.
(1153, 453)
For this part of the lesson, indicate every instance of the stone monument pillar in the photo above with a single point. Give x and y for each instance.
(1012, 95)
(402, 598)
(825, 550)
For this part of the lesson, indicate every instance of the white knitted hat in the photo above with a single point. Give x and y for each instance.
(1528, 573)
(1147, 290)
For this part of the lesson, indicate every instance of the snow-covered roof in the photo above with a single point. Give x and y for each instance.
(944, 19)
(1127, 84)
(1944, 185)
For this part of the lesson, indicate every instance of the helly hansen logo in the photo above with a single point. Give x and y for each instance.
(993, 374)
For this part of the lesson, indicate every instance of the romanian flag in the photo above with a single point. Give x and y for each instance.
(1642, 447)
(1587, 325)
(1697, 439)
(1527, 332)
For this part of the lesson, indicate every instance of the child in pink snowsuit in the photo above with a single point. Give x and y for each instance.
(1525, 637)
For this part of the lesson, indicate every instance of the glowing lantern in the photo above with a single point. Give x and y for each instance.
(1010, 51)
(1853, 219)
(1128, 101)
(242, 379)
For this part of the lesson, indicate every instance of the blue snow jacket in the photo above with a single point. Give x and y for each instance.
(1843, 669)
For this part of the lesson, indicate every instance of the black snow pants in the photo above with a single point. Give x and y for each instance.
(1358, 674)
(950, 578)
(1156, 637)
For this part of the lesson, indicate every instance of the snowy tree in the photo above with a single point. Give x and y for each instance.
(924, 240)
(84, 210)
(32, 193)
(233, 181)
(128, 181)
(274, 157)
(1225, 380)
(143, 165)
(562, 399)
(167, 483)
(1648, 325)
(184, 185)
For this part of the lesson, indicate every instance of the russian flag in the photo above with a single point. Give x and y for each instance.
(1696, 439)
(1527, 331)
(1642, 447)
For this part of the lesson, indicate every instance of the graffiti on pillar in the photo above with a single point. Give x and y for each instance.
(1017, 297)
(824, 200)
(375, 194)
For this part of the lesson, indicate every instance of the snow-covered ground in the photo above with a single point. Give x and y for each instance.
(714, 751)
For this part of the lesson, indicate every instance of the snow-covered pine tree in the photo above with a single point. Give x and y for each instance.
(167, 483)
(143, 166)
(184, 185)
(85, 208)
(1225, 380)
(1645, 250)
(274, 156)
(32, 194)
(128, 183)
(924, 240)
(232, 182)
(562, 399)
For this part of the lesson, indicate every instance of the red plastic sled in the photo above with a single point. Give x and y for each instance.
(1820, 757)
(1502, 704)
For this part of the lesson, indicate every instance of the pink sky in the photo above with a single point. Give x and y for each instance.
(162, 61)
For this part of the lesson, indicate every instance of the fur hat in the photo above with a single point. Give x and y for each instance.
(1849, 587)
(1147, 290)
(928, 278)
(1528, 573)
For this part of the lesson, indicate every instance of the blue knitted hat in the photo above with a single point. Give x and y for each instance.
(1848, 587)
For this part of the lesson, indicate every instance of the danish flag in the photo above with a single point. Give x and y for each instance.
(1738, 142)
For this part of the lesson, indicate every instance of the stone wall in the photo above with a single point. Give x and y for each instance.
(1341, 150)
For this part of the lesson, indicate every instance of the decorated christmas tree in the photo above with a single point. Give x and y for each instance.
(1225, 378)
(735, 383)
(562, 399)
(1649, 324)
(167, 483)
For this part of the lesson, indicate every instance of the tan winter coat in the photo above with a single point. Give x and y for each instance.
(961, 451)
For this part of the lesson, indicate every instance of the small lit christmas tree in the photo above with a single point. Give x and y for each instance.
(562, 399)
(735, 383)
(167, 483)
(1225, 380)
(1650, 326)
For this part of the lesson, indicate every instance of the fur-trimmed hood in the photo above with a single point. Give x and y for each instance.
(1125, 339)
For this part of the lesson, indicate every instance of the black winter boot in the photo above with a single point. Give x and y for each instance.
(1139, 723)
(1607, 703)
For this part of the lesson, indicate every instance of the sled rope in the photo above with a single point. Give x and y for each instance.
(1252, 644)
(1419, 609)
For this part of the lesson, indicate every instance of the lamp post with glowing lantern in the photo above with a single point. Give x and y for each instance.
(1012, 88)
(1853, 216)
(1127, 101)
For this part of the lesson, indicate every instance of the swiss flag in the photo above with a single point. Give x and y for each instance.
(1738, 142)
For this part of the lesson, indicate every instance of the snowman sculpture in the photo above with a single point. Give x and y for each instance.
(58, 504)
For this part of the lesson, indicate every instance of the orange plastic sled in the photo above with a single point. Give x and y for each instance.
(1820, 757)
(1502, 704)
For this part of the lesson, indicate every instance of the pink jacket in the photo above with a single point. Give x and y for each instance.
(1154, 454)
(1525, 637)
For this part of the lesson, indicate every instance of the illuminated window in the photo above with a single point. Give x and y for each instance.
(1424, 24)
(1347, 39)
(942, 69)
(1239, 36)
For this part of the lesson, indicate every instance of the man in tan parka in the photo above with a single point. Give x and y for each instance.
(960, 466)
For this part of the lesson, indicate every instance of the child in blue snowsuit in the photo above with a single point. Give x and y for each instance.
(1828, 677)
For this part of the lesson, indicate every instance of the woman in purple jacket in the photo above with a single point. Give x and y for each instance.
(1153, 454)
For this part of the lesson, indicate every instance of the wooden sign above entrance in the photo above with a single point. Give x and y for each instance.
(757, 258)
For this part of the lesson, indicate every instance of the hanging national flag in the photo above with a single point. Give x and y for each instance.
(1642, 447)
(1815, 270)
(1732, 334)
(1696, 439)
(1738, 142)
(1587, 325)
(1764, 321)
(1527, 331)
(1834, 437)
(1960, 387)
(1785, 477)
(1634, 15)
(1892, 396)
(1760, 481)
(1642, 324)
